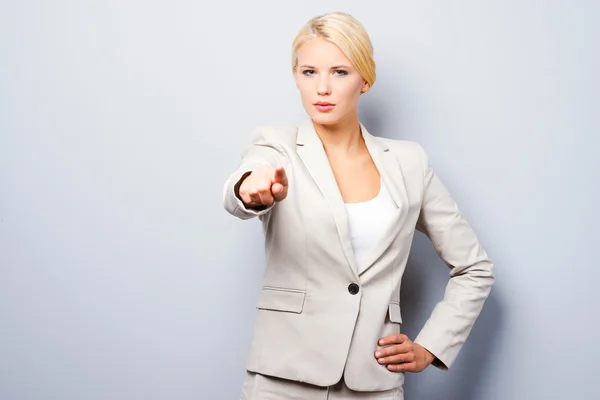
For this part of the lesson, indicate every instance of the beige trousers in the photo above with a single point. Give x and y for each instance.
(262, 387)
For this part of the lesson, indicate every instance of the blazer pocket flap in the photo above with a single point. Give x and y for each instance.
(280, 299)
(394, 312)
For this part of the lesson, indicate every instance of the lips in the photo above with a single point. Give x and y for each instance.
(323, 106)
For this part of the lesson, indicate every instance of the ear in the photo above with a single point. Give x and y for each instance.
(294, 74)
(365, 87)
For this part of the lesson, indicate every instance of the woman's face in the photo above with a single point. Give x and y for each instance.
(329, 85)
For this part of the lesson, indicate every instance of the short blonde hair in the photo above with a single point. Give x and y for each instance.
(347, 33)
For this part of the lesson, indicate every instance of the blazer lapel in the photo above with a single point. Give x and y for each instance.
(389, 168)
(311, 151)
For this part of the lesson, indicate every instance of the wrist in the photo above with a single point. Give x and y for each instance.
(238, 184)
(427, 355)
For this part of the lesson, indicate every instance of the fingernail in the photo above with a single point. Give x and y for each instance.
(380, 360)
(381, 341)
(377, 354)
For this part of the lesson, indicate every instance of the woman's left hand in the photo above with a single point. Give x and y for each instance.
(402, 355)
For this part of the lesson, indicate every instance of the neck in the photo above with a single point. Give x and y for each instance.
(345, 136)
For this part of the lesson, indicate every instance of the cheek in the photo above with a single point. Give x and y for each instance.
(303, 87)
(349, 91)
(357, 86)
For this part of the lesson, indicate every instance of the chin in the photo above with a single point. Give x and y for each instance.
(324, 118)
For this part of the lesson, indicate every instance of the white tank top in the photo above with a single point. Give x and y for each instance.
(368, 220)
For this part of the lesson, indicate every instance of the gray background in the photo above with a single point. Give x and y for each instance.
(122, 277)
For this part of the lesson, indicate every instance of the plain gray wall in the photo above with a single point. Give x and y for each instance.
(122, 277)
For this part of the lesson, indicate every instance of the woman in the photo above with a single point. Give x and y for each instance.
(339, 209)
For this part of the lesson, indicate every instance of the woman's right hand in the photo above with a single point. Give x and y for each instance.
(263, 187)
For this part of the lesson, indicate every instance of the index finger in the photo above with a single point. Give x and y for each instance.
(280, 176)
(393, 339)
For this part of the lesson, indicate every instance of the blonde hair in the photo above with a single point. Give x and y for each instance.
(347, 33)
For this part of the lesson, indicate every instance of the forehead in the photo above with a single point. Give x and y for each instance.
(320, 52)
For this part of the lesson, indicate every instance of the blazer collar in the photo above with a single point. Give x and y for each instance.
(310, 150)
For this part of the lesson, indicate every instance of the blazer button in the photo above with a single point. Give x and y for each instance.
(353, 288)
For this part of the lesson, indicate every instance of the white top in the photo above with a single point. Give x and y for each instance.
(368, 220)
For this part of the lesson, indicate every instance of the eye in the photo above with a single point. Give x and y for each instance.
(308, 72)
(341, 72)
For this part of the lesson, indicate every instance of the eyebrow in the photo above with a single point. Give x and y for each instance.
(334, 67)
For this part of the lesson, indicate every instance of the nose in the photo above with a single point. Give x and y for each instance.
(323, 85)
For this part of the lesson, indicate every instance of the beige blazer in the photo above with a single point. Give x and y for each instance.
(320, 314)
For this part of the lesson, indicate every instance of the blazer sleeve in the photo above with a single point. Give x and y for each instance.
(471, 271)
(259, 152)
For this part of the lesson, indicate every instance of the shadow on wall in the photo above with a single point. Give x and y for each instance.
(423, 286)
